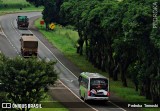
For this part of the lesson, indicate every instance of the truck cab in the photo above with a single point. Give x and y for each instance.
(22, 22)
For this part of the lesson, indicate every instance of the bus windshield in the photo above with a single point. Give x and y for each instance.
(99, 83)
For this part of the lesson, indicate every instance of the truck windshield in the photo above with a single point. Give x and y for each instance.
(99, 83)
(22, 19)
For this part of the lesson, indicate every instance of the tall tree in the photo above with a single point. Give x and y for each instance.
(51, 10)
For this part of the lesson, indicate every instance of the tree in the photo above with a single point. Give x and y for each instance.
(49, 13)
(137, 26)
(51, 10)
(26, 80)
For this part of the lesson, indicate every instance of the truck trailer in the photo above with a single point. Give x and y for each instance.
(29, 45)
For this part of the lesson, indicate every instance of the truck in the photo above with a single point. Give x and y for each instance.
(22, 22)
(29, 45)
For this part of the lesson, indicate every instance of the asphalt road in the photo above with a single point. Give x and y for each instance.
(68, 72)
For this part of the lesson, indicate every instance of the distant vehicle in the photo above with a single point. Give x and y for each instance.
(93, 86)
(29, 45)
(22, 22)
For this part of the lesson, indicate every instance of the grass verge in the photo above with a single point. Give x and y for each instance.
(53, 105)
(13, 6)
(65, 39)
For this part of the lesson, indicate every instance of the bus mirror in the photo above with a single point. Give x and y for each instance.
(79, 78)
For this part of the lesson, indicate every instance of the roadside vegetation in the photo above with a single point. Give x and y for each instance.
(65, 39)
(49, 105)
(12, 6)
(119, 37)
(25, 81)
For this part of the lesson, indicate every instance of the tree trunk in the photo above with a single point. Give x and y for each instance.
(147, 88)
(86, 42)
(93, 57)
(110, 69)
(103, 64)
(115, 73)
(124, 81)
(136, 85)
(90, 56)
(155, 92)
(142, 91)
(80, 42)
(23, 109)
(78, 48)
(123, 77)
(47, 27)
(99, 60)
(81, 48)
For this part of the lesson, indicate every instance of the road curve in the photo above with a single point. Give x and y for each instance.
(68, 72)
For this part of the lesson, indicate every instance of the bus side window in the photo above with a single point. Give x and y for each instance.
(85, 82)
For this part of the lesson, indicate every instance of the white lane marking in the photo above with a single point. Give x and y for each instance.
(117, 106)
(68, 80)
(15, 29)
(9, 41)
(62, 88)
(56, 88)
(67, 69)
(78, 97)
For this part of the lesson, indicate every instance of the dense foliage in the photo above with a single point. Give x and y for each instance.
(51, 9)
(121, 37)
(25, 81)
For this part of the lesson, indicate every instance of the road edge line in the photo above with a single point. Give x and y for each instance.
(9, 41)
(77, 96)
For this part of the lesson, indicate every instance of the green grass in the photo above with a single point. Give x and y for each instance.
(56, 105)
(65, 40)
(12, 6)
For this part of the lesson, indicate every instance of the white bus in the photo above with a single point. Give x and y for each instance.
(93, 86)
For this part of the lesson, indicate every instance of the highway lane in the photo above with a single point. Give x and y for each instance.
(9, 26)
(8, 50)
(6, 47)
